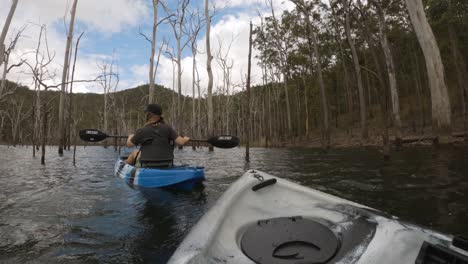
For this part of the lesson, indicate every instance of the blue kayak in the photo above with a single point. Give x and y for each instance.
(177, 177)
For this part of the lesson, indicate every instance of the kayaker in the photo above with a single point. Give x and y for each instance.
(156, 139)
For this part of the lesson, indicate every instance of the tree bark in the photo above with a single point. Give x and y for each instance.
(153, 49)
(357, 69)
(460, 68)
(70, 104)
(14, 3)
(194, 65)
(44, 132)
(64, 78)
(391, 72)
(441, 110)
(249, 108)
(209, 70)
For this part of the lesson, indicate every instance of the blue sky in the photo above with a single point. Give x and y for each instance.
(111, 30)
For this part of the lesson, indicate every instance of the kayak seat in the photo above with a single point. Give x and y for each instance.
(159, 164)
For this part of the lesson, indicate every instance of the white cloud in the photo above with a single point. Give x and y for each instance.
(106, 16)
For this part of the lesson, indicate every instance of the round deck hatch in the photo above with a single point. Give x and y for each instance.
(287, 240)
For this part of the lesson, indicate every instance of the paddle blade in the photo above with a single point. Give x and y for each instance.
(224, 141)
(92, 135)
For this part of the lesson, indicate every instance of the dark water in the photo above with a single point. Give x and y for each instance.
(59, 213)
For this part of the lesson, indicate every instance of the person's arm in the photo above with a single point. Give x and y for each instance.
(129, 141)
(177, 139)
(181, 140)
(135, 139)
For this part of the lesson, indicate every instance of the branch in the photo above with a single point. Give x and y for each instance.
(16, 65)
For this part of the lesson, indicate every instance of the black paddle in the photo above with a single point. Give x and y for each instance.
(224, 141)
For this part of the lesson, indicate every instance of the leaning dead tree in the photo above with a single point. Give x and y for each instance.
(441, 110)
(64, 79)
(4, 92)
(14, 3)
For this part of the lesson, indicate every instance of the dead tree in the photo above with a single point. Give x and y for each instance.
(14, 3)
(108, 84)
(177, 22)
(390, 69)
(209, 58)
(70, 104)
(357, 69)
(247, 151)
(441, 109)
(226, 65)
(195, 27)
(7, 68)
(42, 76)
(64, 79)
(16, 115)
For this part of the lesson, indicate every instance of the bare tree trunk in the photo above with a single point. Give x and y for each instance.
(460, 68)
(357, 69)
(64, 78)
(194, 65)
(306, 105)
(349, 94)
(14, 3)
(3, 80)
(44, 132)
(199, 133)
(391, 72)
(70, 104)
(153, 44)
(209, 70)
(249, 108)
(441, 110)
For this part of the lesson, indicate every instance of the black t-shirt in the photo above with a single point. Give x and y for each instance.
(157, 142)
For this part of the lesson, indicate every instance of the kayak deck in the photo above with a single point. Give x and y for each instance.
(235, 229)
(177, 177)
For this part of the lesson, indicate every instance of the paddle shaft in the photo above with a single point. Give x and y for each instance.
(110, 136)
(223, 141)
(193, 140)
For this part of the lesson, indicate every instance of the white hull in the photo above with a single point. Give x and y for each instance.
(382, 239)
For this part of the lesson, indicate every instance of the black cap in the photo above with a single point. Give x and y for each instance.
(154, 108)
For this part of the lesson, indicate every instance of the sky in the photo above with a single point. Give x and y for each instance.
(112, 33)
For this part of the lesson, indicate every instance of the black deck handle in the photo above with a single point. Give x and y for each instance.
(263, 184)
